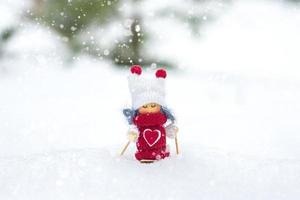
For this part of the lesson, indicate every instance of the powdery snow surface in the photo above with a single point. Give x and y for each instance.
(62, 128)
(200, 173)
(61, 133)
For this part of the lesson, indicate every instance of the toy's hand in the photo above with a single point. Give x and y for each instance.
(171, 131)
(132, 136)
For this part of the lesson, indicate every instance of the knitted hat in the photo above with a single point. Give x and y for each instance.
(146, 90)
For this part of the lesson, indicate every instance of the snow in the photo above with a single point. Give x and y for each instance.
(62, 127)
(10, 11)
(100, 174)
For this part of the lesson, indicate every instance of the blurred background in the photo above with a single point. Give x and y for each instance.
(122, 32)
(233, 84)
(233, 66)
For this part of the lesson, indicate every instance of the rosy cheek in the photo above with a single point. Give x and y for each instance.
(156, 110)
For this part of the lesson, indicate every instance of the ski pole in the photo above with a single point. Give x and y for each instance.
(176, 144)
(124, 149)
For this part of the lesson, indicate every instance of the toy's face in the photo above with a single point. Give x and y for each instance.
(149, 108)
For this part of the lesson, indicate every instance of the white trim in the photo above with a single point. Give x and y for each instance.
(158, 137)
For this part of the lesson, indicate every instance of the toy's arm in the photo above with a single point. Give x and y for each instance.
(171, 131)
(132, 133)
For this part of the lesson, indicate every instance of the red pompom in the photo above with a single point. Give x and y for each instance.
(136, 69)
(161, 73)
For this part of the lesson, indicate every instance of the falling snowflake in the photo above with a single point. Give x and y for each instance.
(106, 52)
(153, 66)
(137, 28)
(73, 28)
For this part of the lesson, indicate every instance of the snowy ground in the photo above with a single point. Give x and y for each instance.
(62, 128)
(200, 173)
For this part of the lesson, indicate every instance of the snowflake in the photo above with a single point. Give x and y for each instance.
(106, 52)
(137, 28)
(153, 66)
(73, 28)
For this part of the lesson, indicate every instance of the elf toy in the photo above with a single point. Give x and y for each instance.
(149, 119)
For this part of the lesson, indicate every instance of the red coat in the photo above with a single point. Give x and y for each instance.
(151, 142)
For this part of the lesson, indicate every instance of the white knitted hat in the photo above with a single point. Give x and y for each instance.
(146, 89)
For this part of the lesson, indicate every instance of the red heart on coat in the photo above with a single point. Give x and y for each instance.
(151, 136)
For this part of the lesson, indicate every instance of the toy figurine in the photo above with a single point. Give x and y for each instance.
(149, 119)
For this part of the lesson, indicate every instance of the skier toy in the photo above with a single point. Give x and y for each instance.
(149, 119)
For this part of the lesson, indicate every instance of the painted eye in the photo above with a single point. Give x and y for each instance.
(153, 105)
(145, 106)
